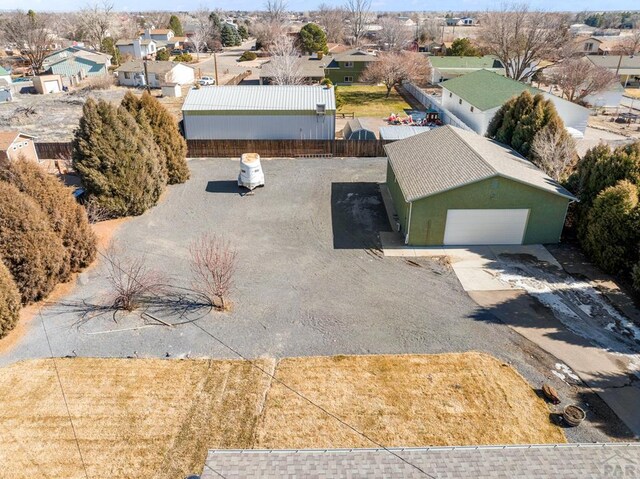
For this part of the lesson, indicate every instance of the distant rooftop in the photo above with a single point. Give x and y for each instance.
(485, 89)
(551, 461)
(260, 97)
(487, 61)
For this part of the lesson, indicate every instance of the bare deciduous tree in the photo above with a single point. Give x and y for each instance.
(332, 20)
(358, 13)
(202, 29)
(393, 68)
(213, 264)
(554, 151)
(429, 30)
(285, 63)
(96, 21)
(394, 34)
(156, 19)
(30, 32)
(131, 279)
(276, 10)
(521, 38)
(630, 44)
(578, 78)
(266, 33)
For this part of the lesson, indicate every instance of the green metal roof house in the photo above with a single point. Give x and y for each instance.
(446, 68)
(454, 187)
(476, 97)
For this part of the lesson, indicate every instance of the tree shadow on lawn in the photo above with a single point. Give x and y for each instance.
(357, 215)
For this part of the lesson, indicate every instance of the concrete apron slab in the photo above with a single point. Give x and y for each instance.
(599, 369)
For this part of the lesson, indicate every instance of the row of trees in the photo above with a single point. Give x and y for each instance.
(127, 154)
(607, 182)
(44, 237)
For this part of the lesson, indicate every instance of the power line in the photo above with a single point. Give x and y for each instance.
(286, 386)
(64, 396)
(316, 405)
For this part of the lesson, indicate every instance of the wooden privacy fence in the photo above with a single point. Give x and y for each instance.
(265, 148)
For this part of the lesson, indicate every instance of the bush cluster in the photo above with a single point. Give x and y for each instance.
(247, 56)
(608, 215)
(9, 301)
(183, 57)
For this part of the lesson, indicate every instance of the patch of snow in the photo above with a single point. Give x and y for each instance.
(560, 375)
(567, 370)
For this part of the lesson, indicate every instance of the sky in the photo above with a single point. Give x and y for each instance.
(302, 5)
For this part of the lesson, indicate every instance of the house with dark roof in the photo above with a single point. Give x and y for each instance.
(346, 68)
(453, 187)
(310, 70)
(446, 68)
(476, 97)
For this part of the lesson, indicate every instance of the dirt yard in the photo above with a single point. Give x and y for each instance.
(157, 418)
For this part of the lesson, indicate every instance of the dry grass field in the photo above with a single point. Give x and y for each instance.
(156, 418)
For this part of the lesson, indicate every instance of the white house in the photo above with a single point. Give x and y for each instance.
(137, 48)
(160, 73)
(260, 112)
(476, 97)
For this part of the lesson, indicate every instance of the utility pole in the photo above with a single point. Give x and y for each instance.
(215, 66)
(146, 76)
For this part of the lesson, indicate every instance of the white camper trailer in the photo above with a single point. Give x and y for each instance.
(251, 175)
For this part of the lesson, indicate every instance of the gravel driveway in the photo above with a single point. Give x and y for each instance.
(311, 278)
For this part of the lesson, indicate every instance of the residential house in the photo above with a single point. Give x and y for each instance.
(164, 38)
(460, 22)
(5, 77)
(259, 112)
(454, 187)
(160, 73)
(137, 48)
(346, 68)
(75, 63)
(626, 67)
(602, 45)
(476, 97)
(14, 144)
(446, 68)
(311, 69)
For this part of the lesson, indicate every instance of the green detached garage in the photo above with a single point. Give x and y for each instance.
(454, 187)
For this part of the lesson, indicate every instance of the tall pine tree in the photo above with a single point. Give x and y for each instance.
(165, 133)
(118, 160)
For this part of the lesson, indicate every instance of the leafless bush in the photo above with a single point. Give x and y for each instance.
(213, 264)
(131, 279)
(102, 82)
(554, 151)
(96, 212)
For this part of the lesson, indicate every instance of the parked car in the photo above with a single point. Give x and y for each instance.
(204, 81)
(176, 51)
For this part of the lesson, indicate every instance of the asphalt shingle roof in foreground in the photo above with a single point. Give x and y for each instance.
(510, 462)
(448, 157)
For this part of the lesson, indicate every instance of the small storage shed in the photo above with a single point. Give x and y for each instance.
(454, 187)
(355, 130)
(260, 112)
(45, 84)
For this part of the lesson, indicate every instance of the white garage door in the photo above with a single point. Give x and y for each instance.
(474, 227)
(51, 86)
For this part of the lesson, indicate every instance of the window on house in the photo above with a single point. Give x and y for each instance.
(460, 101)
(348, 79)
(450, 94)
(127, 75)
(471, 108)
(348, 64)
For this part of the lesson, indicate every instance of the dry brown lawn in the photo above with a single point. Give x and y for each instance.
(156, 418)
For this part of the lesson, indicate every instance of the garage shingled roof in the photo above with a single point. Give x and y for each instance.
(448, 157)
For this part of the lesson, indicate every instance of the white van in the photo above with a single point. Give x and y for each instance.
(251, 175)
